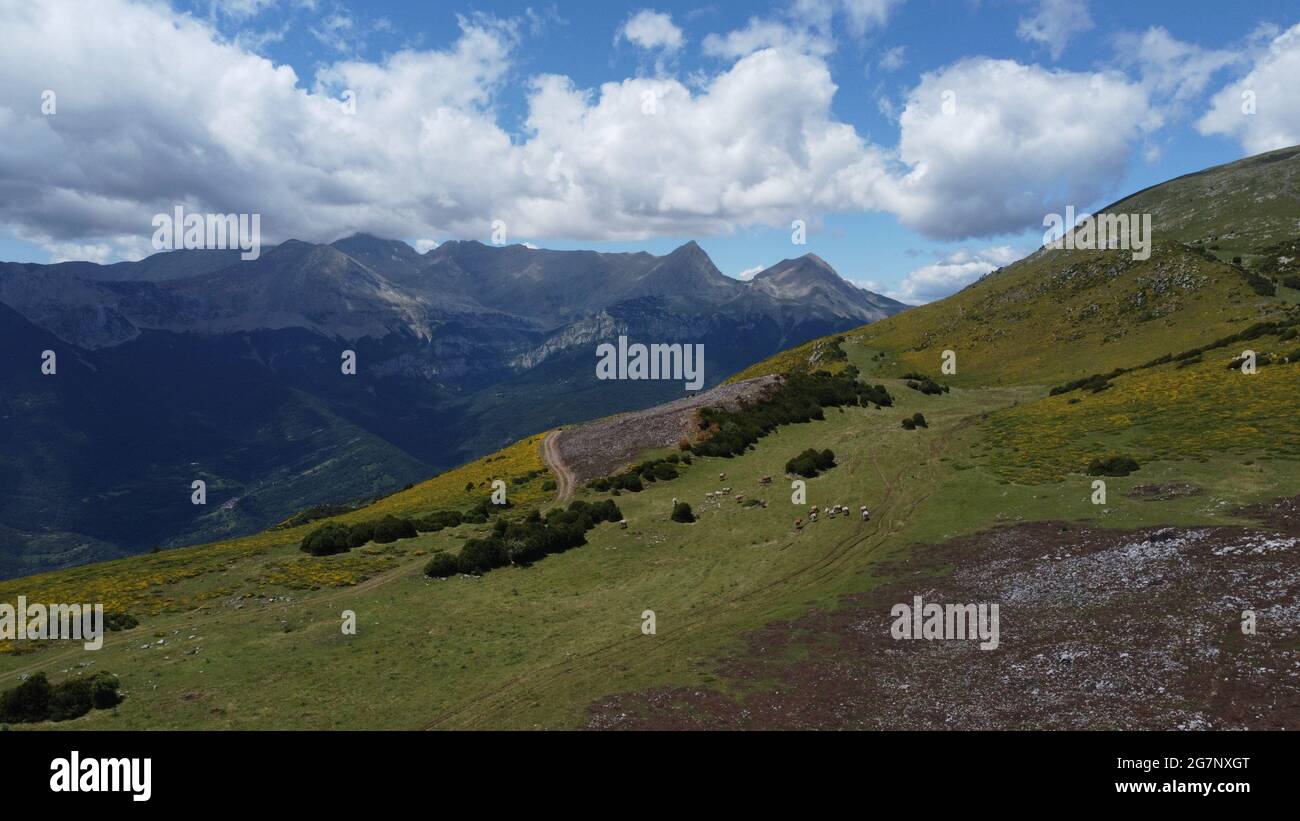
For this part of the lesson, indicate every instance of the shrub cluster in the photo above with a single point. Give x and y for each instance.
(800, 398)
(439, 520)
(924, 384)
(336, 537)
(682, 513)
(37, 700)
(1096, 383)
(527, 541)
(1100, 382)
(1113, 466)
(916, 420)
(1259, 284)
(811, 462)
(115, 621)
(635, 477)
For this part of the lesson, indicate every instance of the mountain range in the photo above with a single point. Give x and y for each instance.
(194, 364)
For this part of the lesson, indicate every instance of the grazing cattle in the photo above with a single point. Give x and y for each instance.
(766, 480)
(812, 516)
(622, 523)
(798, 523)
(722, 477)
(866, 515)
(740, 497)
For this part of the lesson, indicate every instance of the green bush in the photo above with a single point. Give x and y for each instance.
(438, 520)
(37, 700)
(328, 540)
(927, 386)
(120, 621)
(526, 541)
(682, 513)
(1113, 466)
(442, 565)
(664, 471)
(336, 537)
(390, 529)
(811, 462)
(800, 398)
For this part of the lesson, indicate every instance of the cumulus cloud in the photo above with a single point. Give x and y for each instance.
(951, 273)
(156, 110)
(993, 145)
(652, 30)
(1262, 109)
(749, 273)
(1055, 23)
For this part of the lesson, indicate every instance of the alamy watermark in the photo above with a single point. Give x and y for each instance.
(37, 622)
(178, 230)
(655, 361)
(1099, 232)
(946, 621)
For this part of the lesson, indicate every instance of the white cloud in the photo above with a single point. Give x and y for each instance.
(1014, 143)
(1055, 23)
(652, 30)
(892, 59)
(864, 15)
(759, 34)
(805, 26)
(749, 273)
(1271, 84)
(1171, 69)
(336, 31)
(424, 246)
(155, 109)
(951, 273)
(239, 9)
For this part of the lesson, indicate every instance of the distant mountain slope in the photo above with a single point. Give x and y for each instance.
(201, 365)
(810, 280)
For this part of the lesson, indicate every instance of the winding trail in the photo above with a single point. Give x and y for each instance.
(564, 478)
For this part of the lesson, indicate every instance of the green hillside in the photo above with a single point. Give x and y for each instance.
(246, 633)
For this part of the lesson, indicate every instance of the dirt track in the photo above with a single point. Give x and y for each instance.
(564, 479)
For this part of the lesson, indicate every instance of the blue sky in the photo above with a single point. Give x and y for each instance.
(461, 110)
